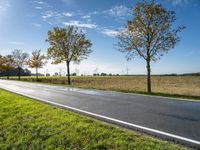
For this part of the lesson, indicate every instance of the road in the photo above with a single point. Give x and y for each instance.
(164, 117)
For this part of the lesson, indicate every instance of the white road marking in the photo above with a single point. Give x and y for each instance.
(112, 119)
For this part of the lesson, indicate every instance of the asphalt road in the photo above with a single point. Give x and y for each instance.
(177, 117)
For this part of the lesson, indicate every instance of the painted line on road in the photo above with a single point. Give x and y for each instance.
(140, 128)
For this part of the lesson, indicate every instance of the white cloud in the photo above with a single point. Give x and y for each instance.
(48, 14)
(80, 24)
(38, 7)
(178, 2)
(118, 11)
(36, 24)
(16, 43)
(55, 17)
(39, 2)
(67, 14)
(86, 17)
(110, 32)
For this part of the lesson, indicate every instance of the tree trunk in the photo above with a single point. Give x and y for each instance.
(68, 74)
(19, 73)
(36, 74)
(148, 77)
(8, 73)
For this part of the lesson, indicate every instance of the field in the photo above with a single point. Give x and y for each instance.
(28, 124)
(161, 85)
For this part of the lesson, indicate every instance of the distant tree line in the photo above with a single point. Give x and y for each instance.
(105, 74)
(14, 72)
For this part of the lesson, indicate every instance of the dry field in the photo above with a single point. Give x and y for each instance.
(186, 85)
(181, 85)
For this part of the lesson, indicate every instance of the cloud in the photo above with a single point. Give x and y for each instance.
(80, 24)
(110, 32)
(178, 2)
(16, 43)
(55, 17)
(52, 17)
(67, 14)
(86, 17)
(118, 11)
(4, 5)
(48, 14)
(38, 7)
(39, 2)
(36, 25)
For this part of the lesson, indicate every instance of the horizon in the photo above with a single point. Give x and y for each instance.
(100, 21)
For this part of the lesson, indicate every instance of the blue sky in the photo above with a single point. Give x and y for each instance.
(24, 25)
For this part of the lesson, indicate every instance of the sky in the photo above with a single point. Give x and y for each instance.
(24, 25)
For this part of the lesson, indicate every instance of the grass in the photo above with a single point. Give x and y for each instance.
(29, 124)
(172, 86)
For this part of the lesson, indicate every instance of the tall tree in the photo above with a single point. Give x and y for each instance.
(68, 45)
(36, 61)
(20, 59)
(149, 35)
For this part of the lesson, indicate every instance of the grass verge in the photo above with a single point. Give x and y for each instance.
(28, 124)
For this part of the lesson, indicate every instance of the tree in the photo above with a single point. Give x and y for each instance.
(20, 58)
(1, 63)
(149, 35)
(68, 45)
(7, 63)
(36, 61)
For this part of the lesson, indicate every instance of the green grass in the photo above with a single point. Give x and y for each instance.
(29, 124)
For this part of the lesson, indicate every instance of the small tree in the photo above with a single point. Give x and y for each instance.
(1, 63)
(20, 58)
(66, 45)
(149, 34)
(8, 64)
(37, 61)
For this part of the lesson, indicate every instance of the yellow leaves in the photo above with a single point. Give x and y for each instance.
(6, 62)
(57, 33)
(37, 59)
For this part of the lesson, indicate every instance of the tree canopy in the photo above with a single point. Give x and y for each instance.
(68, 44)
(37, 59)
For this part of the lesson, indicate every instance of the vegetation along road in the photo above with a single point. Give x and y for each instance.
(175, 119)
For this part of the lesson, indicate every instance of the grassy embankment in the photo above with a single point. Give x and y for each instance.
(174, 86)
(28, 124)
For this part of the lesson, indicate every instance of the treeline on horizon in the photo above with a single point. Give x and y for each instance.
(14, 72)
(26, 72)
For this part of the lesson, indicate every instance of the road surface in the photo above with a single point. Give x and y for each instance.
(164, 117)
